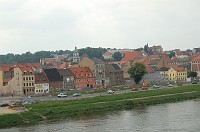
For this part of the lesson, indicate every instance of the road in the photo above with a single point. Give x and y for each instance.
(43, 98)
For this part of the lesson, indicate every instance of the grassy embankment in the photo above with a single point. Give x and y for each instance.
(56, 110)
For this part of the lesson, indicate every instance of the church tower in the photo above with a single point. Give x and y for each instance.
(76, 57)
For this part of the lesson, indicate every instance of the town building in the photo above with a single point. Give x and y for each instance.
(114, 74)
(177, 74)
(83, 77)
(55, 79)
(97, 67)
(68, 79)
(195, 64)
(41, 82)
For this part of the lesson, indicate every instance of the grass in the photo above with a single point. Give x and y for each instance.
(58, 110)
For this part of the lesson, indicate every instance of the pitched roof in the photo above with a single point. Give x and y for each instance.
(5, 68)
(40, 78)
(149, 69)
(53, 74)
(179, 69)
(81, 72)
(183, 53)
(27, 69)
(64, 65)
(112, 68)
(130, 55)
(65, 72)
(97, 60)
(197, 58)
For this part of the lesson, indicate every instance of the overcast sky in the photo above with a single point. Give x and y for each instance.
(35, 25)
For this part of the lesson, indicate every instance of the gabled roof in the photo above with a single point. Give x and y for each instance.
(183, 53)
(128, 56)
(81, 72)
(65, 72)
(149, 69)
(179, 69)
(197, 58)
(26, 69)
(64, 65)
(53, 75)
(112, 68)
(97, 60)
(5, 68)
(41, 78)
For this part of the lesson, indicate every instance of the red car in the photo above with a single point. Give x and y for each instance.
(135, 89)
(144, 89)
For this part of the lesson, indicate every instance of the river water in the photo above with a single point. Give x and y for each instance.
(170, 117)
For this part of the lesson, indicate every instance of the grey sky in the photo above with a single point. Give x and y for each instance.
(34, 25)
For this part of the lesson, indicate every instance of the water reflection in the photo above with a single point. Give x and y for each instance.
(179, 117)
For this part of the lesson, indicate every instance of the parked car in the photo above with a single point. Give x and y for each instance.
(194, 82)
(110, 92)
(76, 94)
(170, 85)
(144, 89)
(156, 86)
(60, 95)
(135, 89)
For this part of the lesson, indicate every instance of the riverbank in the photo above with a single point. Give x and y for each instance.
(48, 111)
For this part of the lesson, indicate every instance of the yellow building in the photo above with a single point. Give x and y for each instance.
(177, 74)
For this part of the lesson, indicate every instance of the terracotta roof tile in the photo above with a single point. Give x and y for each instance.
(196, 58)
(130, 55)
(81, 72)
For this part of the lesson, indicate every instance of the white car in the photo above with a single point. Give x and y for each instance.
(156, 86)
(62, 95)
(170, 85)
(110, 92)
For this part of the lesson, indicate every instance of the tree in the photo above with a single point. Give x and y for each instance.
(146, 48)
(93, 52)
(117, 56)
(172, 53)
(137, 71)
(192, 74)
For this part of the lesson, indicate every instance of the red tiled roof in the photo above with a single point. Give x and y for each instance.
(40, 78)
(196, 58)
(182, 53)
(81, 72)
(27, 69)
(64, 65)
(5, 68)
(149, 69)
(130, 55)
(179, 69)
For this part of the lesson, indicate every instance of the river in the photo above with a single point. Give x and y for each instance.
(169, 117)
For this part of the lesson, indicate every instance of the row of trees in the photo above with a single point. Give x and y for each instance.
(35, 57)
(29, 57)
